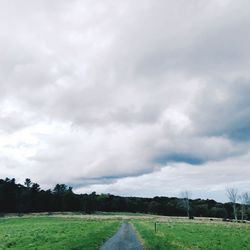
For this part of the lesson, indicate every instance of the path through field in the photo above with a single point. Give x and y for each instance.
(124, 239)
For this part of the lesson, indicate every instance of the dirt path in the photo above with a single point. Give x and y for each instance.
(124, 239)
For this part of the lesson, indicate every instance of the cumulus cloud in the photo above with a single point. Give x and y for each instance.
(96, 92)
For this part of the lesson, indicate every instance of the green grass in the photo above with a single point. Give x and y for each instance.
(54, 233)
(175, 235)
(45, 233)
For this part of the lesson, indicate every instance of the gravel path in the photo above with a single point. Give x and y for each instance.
(124, 239)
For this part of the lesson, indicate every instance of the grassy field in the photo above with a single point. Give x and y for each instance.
(54, 233)
(75, 232)
(175, 234)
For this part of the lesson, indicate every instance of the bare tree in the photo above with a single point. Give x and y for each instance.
(232, 194)
(245, 201)
(242, 206)
(246, 196)
(185, 197)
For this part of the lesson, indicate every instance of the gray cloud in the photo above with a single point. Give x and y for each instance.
(226, 110)
(100, 89)
(208, 181)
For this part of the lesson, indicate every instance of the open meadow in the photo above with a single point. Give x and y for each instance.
(187, 234)
(89, 232)
(43, 233)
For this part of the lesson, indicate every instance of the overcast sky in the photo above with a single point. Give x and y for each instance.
(130, 97)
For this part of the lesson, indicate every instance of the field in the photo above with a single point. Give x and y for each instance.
(177, 234)
(75, 232)
(54, 233)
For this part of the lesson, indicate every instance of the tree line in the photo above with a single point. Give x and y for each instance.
(29, 197)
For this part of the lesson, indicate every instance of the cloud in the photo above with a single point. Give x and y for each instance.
(226, 110)
(101, 91)
(208, 181)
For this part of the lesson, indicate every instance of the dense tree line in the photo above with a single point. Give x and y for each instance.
(18, 198)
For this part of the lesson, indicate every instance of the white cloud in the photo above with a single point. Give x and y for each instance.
(207, 181)
(95, 91)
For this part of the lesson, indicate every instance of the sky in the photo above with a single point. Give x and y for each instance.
(130, 97)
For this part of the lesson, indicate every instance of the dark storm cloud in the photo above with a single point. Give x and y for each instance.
(168, 159)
